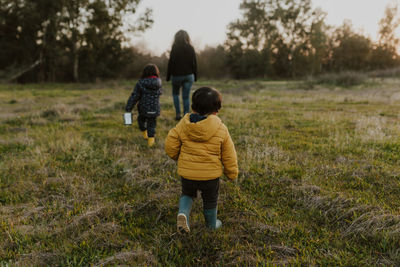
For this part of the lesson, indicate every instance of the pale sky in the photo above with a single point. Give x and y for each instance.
(206, 20)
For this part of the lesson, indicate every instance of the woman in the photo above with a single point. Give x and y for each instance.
(182, 69)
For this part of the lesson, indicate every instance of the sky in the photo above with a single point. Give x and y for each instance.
(206, 20)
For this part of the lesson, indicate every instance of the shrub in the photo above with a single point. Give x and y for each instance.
(384, 73)
(345, 78)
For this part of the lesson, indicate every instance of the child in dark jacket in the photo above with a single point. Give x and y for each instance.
(147, 92)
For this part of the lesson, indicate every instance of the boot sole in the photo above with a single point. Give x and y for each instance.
(182, 224)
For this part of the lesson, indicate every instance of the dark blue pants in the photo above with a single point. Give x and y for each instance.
(147, 123)
(209, 191)
(184, 81)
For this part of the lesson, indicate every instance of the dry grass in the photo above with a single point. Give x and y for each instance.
(354, 220)
(129, 258)
(318, 184)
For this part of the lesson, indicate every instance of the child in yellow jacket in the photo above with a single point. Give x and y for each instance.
(201, 144)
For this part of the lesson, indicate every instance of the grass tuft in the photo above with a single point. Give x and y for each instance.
(50, 114)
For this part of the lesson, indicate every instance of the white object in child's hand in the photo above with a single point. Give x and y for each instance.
(128, 118)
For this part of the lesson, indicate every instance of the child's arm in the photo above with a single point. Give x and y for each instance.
(173, 144)
(133, 99)
(160, 86)
(229, 158)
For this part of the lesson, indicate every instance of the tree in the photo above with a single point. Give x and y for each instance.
(287, 34)
(255, 31)
(19, 25)
(385, 53)
(102, 53)
(212, 62)
(295, 22)
(388, 26)
(351, 51)
(320, 43)
(68, 35)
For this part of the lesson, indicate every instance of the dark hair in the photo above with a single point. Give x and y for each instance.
(150, 70)
(206, 100)
(182, 39)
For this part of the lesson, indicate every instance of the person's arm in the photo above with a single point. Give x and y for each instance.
(159, 86)
(229, 158)
(194, 65)
(133, 99)
(173, 144)
(171, 62)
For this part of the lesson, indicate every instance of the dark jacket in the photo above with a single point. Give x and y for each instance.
(182, 61)
(147, 92)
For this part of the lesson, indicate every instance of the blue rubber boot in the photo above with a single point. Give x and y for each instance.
(210, 215)
(185, 204)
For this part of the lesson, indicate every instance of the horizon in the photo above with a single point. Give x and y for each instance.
(158, 39)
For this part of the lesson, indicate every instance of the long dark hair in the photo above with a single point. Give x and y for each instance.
(182, 39)
(150, 70)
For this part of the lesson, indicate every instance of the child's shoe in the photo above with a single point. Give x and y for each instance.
(185, 204)
(210, 215)
(144, 133)
(151, 141)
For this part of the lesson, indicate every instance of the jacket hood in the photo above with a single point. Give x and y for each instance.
(203, 130)
(150, 83)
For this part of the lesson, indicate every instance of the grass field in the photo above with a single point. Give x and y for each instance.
(319, 179)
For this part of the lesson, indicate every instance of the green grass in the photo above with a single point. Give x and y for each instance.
(319, 179)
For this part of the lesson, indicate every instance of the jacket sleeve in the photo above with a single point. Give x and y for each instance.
(133, 99)
(170, 63)
(194, 65)
(229, 158)
(160, 86)
(173, 144)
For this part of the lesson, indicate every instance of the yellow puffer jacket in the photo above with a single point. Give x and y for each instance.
(204, 149)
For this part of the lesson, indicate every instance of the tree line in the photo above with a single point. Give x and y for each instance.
(83, 40)
(67, 40)
(288, 39)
